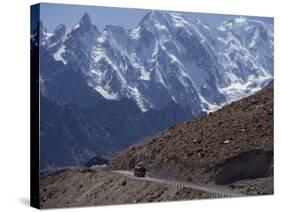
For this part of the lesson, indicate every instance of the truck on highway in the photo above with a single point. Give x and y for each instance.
(139, 170)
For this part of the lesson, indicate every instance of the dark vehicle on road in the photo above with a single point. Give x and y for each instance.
(139, 170)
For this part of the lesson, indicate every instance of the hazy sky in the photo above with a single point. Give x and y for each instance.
(55, 14)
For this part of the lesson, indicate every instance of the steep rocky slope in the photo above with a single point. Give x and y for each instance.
(233, 143)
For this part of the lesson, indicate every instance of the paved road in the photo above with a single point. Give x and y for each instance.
(214, 190)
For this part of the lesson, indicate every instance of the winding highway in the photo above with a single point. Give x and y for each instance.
(214, 190)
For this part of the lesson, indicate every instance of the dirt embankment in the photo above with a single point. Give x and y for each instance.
(87, 187)
(259, 186)
(231, 144)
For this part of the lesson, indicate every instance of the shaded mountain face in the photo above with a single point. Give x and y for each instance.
(119, 86)
(233, 143)
(67, 139)
(73, 136)
(65, 84)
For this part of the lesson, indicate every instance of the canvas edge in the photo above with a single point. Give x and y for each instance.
(34, 112)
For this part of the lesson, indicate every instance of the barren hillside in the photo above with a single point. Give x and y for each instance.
(231, 144)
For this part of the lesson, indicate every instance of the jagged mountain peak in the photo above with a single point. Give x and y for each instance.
(164, 18)
(85, 20)
(154, 19)
(61, 28)
(60, 32)
(156, 15)
(85, 25)
(240, 20)
(114, 28)
(251, 33)
(84, 30)
(243, 23)
(233, 21)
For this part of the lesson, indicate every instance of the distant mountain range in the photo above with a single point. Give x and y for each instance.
(129, 84)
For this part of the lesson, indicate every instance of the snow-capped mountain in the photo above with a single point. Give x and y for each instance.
(247, 56)
(168, 58)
